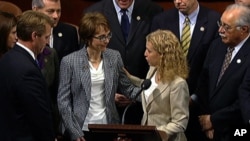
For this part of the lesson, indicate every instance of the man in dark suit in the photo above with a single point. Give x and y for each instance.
(64, 36)
(22, 86)
(64, 39)
(132, 47)
(244, 100)
(244, 92)
(203, 30)
(221, 77)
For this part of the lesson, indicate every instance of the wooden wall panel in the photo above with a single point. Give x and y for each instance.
(72, 9)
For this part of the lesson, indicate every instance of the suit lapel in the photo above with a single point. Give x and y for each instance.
(199, 30)
(85, 74)
(158, 90)
(222, 49)
(235, 65)
(108, 75)
(174, 24)
(137, 18)
(57, 41)
(135, 22)
(110, 13)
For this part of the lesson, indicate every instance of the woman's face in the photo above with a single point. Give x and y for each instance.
(12, 38)
(151, 55)
(100, 40)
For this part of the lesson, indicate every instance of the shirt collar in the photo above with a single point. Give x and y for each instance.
(237, 47)
(192, 17)
(118, 9)
(27, 49)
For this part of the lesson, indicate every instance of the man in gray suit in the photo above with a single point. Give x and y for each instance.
(140, 14)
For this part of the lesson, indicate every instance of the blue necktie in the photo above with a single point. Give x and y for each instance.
(37, 63)
(125, 23)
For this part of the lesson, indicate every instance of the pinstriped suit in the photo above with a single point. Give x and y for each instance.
(75, 88)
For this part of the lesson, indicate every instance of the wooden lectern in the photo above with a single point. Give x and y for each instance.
(119, 132)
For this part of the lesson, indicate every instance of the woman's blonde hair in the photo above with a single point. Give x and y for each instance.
(173, 61)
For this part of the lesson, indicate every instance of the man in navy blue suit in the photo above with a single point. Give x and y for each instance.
(204, 29)
(219, 95)
(23, 91)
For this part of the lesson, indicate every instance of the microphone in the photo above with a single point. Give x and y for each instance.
(145, 85)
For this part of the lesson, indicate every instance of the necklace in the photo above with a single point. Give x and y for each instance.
(94, 58)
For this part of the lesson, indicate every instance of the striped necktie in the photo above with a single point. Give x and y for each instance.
(226, 62)
(186, 36)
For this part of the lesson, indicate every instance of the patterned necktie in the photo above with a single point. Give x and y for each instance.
(226, 62)
(125, 23)
(186, 36)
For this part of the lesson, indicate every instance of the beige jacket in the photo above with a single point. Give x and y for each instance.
(167, 107)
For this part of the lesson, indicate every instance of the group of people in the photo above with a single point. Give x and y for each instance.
(196, 59)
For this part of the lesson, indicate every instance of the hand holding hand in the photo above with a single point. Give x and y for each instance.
(122, 100)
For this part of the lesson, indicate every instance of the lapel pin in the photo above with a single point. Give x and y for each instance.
(202, 28)
(138, 18)
(238, 61)
(60, 34)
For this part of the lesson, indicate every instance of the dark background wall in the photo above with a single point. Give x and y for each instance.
(72, 9)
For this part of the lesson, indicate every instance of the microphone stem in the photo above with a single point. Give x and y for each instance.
(125, 110)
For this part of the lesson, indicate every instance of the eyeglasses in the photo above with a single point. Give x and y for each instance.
(225, 26)
(103, 38)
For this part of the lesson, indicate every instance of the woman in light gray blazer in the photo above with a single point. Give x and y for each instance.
(165, 103)
(89, 79)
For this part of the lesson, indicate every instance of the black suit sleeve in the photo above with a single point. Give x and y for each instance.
(35, 101)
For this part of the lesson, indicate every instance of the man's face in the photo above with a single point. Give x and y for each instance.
(186, 6)
(42, 40)
(52, 9)
(243, 2)
(124, 4)
(230, 32)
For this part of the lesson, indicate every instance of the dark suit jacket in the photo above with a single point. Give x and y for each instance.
(244, 96)
(65, 39)
(200, 41)
(132, 52)
(222, 101)
(27, 103)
